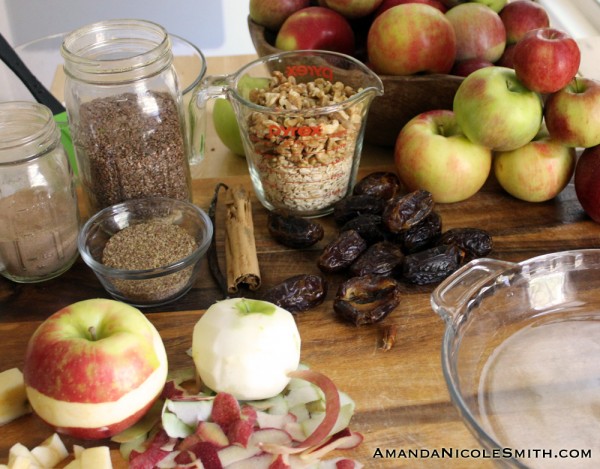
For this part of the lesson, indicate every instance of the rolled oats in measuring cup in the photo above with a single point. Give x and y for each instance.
(302, 117)
(126, 113)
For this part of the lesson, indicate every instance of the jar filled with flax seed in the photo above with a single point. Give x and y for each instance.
(39, 214)
(125, 112)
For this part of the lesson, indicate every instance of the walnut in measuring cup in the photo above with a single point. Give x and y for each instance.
(304, 156)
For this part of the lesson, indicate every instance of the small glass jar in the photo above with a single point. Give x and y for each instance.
(39, 215)
(126, 112)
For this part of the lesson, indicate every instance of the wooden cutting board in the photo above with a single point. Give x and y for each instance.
(402, 403)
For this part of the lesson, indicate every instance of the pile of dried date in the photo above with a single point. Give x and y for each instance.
(386, 237)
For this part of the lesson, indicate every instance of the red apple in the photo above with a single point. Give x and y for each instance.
(316, 28)
(466, 67)
(573, 113)
(433, 154)
(546, 59)
(353, 8)
(537, 171)
(520, 17)
(506, 59)
(479, 32)
(411, 38)
(272, 13)
(387, 4)
(587, 182)
(94, 368)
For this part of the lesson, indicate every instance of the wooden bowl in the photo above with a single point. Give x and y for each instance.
(404, 96)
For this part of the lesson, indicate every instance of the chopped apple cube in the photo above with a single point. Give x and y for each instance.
(22, 462)
(50, 452)
(96, 458)
(13, 400)
(74, 464)
(77, 450)
(18, 450)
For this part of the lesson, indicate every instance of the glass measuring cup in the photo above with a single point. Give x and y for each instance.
(302, 118)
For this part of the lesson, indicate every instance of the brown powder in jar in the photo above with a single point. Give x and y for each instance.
(38, 233)
(148, 246)
(134, 147)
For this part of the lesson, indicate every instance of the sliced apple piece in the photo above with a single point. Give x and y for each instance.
(74, 464)
(13, 398)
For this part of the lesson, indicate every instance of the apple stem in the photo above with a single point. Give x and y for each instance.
(92, 331)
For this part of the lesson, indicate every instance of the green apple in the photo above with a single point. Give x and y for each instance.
(94, 368)
(224, 116)
(246, 348)
(496, 5)
(432, 153)
(537, 171)
(227, 127)
(494, 109)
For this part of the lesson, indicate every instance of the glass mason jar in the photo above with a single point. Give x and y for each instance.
(39, 215)
(126, 112)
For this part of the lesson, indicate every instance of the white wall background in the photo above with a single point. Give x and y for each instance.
(217, 27)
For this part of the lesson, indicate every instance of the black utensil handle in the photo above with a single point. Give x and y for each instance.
(35, 87)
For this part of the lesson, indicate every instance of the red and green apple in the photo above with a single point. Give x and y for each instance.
(353, 8)
(387, 4)
(272, 13)
(433, 154)
(94, 368)
(537, 171)
(479, 32)
(411, 38)
(573, 113)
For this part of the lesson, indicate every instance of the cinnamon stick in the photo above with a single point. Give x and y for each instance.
(240, 245)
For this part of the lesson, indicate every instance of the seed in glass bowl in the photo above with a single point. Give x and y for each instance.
(149, 246)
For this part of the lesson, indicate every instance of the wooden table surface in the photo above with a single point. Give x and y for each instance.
(402, 403)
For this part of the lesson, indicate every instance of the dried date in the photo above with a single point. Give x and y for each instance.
(369, 226)
(422, 235)
(294, 231)
(476, 242)
(342, 251)
(402, 212)
(355, 205)
(366, 299)
(432, 265)
(381, 258)
(381, 184)
(298, 293)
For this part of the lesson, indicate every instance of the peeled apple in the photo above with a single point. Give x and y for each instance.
(246, 348)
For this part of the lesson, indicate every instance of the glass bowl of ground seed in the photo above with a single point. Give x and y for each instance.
(146, 252)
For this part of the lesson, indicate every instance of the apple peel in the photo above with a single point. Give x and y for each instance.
(332, 409)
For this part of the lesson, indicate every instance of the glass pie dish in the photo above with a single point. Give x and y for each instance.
(521, 356)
